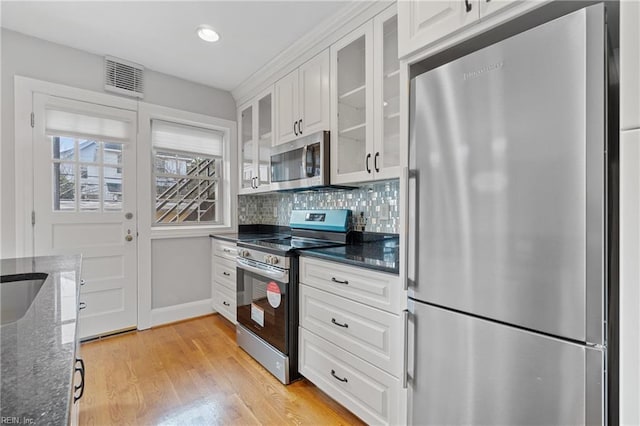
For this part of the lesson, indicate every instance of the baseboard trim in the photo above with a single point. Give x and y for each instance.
(169, 314)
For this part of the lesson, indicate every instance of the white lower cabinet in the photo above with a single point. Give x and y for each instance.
(223, 279)
(367, 391)
(369, 333)
(351, 337)
(377, 289)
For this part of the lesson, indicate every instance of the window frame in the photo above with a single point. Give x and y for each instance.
(146, 176)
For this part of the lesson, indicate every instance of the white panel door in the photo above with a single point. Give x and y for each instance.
(85, 202)
(314, 94)
(286, 106)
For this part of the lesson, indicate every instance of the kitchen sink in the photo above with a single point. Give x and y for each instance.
(17, 292)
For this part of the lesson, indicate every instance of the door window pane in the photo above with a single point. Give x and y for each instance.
(89, 151)
(64, 148)
(89, 188)
(112, 187)
(112, 153)
(64, 187)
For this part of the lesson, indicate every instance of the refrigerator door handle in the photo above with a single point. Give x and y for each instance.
(405, 356)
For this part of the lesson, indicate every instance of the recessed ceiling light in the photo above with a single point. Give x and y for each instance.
(207, 33)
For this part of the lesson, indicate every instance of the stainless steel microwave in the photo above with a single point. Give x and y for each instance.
(302, 163)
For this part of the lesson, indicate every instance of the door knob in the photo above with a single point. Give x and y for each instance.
(128, 237)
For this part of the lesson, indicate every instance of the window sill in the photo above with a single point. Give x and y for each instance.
(164, 232)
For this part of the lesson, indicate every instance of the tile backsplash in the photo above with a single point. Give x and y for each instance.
(377, 202)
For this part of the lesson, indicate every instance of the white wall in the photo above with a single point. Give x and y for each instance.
(39, 59)
(171, 259)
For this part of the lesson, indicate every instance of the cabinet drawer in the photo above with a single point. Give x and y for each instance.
(224, 272)
(225, 249)
(225, 302)
(372, 334)
(362, 285)
(367, 391)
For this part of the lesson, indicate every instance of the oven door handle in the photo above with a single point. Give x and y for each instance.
(269, 273)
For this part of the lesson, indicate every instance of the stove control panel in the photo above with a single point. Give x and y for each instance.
(260, 256)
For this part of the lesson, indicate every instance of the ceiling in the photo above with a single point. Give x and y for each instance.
(161, 35)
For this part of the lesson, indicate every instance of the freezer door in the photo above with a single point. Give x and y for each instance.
(468, 371)
(507, 172)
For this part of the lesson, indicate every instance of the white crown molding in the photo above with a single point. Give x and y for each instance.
(319, 38)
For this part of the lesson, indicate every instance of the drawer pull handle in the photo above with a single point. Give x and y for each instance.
(226, 303)
(343, 380)
(79, 387)
(226, 274)
(345, 325)
(338, 281)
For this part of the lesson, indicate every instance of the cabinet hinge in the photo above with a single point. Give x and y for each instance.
(33, 120)
(33, 218)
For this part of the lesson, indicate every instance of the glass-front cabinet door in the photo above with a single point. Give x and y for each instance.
(256, 138)
(387, 152)
(366, 141)
(247, 148)
(352, 98)
(265, 140)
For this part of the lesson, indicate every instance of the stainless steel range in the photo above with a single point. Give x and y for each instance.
(267, 288)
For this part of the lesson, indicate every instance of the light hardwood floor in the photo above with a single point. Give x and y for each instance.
(193, 373)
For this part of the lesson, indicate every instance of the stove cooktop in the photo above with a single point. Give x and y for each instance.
(289, 244)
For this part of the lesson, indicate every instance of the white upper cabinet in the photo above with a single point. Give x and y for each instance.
(365, 102)
(286, 95)
(302, 100)
(387, 155)
(423, 22)
(256, 139)
(247, 144)
(314, 107)
(487, 7)
(351, 106)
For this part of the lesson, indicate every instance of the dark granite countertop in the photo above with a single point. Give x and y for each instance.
(38, 349)
(381, 255)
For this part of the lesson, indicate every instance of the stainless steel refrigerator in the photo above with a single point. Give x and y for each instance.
(507, 240)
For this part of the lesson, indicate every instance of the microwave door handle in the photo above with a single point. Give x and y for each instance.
(304, 160)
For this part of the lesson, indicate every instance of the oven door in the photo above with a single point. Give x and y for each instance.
(262, 305)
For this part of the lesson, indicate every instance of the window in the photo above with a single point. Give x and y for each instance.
(187, 174)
